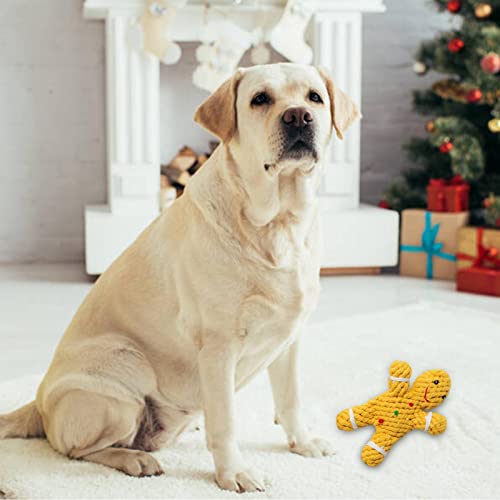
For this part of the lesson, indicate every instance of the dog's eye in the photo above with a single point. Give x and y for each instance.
(260, 99)
(436, 382)
(315, 97)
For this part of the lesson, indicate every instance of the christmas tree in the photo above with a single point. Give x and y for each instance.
(463, 129)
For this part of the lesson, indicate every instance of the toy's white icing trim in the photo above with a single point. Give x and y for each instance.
(352, 419)
(376, 447)
(428, 419)
(399, 379)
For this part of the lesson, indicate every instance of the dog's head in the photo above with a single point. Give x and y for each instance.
(281, 115)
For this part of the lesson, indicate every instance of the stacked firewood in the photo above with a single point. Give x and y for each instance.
(176, 174)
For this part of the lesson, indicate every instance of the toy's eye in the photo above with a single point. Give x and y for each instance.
(436, 382)
(260, 99)
(315, 97)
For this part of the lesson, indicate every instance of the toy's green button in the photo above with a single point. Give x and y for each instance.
(396, 412)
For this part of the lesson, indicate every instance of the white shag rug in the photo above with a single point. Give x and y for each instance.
(344, 362)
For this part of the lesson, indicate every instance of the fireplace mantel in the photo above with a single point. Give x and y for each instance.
(98, 9)
(355, 235)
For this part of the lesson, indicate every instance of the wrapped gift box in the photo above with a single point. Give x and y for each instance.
(448, 196)
(429, 243)
(485, 281)
(478, 247)
(478, 260)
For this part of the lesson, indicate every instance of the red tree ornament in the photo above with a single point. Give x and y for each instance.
(383, 204)
(456, 45)
(446, 147)
(491, 63)
(474, 96)
(454, 6)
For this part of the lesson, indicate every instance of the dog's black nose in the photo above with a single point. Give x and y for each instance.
(297, 117)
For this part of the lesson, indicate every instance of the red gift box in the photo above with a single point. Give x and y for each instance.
(479, 280)
(484, 274)
(448, 196)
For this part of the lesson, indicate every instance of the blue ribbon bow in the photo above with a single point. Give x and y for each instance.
(430, 246)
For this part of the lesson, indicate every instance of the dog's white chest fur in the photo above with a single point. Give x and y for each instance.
(270, 320)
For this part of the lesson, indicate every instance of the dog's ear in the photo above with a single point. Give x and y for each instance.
(217, 113)
(344, 111)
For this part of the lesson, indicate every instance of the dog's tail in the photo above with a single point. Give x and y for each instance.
(25, 422)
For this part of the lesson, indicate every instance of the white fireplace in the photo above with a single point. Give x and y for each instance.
(355, 235)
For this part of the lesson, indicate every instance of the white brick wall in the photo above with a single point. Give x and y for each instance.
(52, 146)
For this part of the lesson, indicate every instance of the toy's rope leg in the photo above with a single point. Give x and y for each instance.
(377, 448)
(352, 418)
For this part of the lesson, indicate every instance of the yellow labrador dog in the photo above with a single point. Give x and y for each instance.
(210, 294)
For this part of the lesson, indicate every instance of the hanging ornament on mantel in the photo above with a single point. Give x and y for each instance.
(260, 54)
(223, 45)
(152, 32)
(287, 37)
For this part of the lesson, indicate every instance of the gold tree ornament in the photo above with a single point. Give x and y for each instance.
(430, 126)
(494, 125)
(483, 10)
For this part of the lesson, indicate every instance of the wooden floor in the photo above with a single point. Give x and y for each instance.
(349, 271)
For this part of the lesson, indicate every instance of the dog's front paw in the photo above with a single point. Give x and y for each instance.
(315, 447)
(245, 480)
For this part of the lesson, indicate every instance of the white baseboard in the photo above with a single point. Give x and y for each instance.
(363, 237)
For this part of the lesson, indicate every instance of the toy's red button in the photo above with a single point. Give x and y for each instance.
(411, 404)
(380, 420)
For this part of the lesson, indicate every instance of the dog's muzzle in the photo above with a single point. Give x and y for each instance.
(299, 134)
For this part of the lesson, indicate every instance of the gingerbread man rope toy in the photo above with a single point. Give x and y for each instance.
(399, 410)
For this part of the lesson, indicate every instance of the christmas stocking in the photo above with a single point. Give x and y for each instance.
(223, 46)
(152, 32)
(287, 37)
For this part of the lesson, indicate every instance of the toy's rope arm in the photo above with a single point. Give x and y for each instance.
(431, 422)
(357, 416)
(399, 377)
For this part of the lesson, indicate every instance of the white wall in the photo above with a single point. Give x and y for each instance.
(52, 145)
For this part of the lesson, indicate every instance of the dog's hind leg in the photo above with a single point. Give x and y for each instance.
(90, 426)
